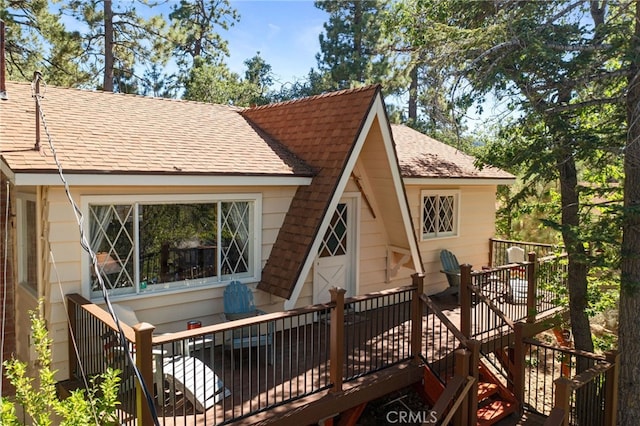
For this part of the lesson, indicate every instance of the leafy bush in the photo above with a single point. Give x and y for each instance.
(95, 405)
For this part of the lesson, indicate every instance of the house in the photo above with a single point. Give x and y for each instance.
(178, 198)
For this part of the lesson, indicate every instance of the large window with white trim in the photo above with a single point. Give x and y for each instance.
(151, 245)
(439, 214)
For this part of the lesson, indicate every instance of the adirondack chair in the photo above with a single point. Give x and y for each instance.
(239, 304)
(451, 268)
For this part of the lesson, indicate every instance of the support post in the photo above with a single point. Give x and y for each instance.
(145, 363)
(490, 253)
(611, 389)
(465, 300)
(416, 317)
(336, 351)
(462, 361)
(518, 363)
(474, 362)
(532, 290)
(563, 393)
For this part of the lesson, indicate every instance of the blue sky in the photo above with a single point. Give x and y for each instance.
(284, 32)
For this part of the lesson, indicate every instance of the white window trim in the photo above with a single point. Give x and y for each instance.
(255, 198)
(456, 213)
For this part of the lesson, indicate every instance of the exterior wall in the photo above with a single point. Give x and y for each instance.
(7, 287)
(471, 245)
(167, 312)
(373, 243)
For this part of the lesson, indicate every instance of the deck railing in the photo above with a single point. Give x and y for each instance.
(582, 385)
(501, 296)
(311, 350)
(498, 250)
(441, 339)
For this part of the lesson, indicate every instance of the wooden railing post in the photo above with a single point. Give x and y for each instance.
(563, 394)
(416, 317)
(73, 331)
(491, 265)
(465, 300)
(518, 363)
(611, 389)
(474, 362)
(336, 352)
(532, 290)
(462, 359)
(144, 362)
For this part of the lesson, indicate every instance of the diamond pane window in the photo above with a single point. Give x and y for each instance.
(150, 246)
(111, 239)
(334, 242)
(235, 238)
(439, 214)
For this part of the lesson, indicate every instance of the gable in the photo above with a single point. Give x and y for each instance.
(322, 131)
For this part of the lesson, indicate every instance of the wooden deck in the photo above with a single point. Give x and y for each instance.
(376, 344)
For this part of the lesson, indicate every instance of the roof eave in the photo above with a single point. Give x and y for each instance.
(466, 181)
(150, 179)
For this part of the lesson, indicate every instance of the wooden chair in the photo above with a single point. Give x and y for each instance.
(239, 304)
(451, 268)
(186, 374)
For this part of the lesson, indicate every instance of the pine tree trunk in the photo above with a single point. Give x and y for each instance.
(107, 83)
(413, 94)
(629, 330)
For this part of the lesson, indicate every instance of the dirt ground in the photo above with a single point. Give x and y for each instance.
(400, 407)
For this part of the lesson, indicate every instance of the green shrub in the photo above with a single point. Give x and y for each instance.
(95, 405)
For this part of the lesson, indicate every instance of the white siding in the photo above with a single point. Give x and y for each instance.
(471, 245)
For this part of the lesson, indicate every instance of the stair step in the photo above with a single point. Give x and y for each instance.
(485, 390)
(495, 411)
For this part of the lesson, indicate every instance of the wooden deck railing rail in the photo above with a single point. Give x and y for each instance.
(589, 397)
(498, 250)
(492, 299)
(540, 367)
(315, 349)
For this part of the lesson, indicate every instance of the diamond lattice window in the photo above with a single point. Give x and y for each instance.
(334, 242)
(142, 247)
(439, 215)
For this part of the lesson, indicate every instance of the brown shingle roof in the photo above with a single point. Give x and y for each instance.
(98, 132)
(322, 131)
(423, 157)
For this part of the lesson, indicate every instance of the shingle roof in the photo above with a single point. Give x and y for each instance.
(423, 157)
(97, 132)
(321, 130)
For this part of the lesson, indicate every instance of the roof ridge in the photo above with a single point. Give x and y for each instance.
(126, 95)
(312, 98)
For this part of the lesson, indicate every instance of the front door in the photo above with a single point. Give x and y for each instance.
(334, 265)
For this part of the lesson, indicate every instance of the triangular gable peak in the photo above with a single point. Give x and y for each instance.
(339, 134)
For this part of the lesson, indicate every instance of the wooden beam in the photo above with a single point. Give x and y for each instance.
(317, 407)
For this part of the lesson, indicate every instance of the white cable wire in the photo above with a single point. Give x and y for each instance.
(73, 337)
(86, 246)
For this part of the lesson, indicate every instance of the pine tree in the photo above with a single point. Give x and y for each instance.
(351, 45)
(118, 41)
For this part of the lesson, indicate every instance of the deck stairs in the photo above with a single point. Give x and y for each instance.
(495, 401)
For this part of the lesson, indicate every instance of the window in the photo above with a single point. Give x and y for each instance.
(149, 244)
(27, 241)
(439, 214)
